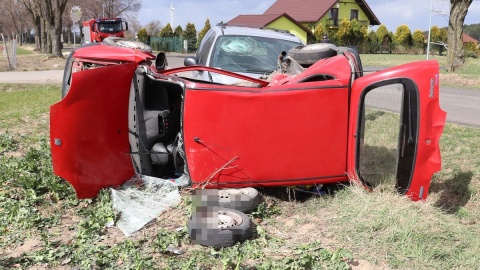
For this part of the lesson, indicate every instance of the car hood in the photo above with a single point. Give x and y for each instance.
(103, 52)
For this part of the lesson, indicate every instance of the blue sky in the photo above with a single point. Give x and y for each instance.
(393, 13)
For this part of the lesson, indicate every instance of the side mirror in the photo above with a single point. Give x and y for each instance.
(190, 61)
(161, 61)
(125, 26)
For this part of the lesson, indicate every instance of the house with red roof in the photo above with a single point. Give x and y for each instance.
(301, 18)
(466, 39)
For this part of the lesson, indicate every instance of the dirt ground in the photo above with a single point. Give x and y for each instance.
(33, 62)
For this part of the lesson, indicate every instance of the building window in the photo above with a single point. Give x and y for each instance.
(334, 16)
(354, 14)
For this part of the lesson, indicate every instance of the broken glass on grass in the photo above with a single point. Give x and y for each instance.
(142, 199)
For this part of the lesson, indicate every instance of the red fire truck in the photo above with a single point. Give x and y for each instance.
(95, 30)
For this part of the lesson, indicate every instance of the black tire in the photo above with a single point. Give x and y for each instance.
(201, 232)
(244, 199)
(309, 54)
(121, 42)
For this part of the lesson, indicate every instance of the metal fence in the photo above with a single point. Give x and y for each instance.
(172, 44)
(9, 51)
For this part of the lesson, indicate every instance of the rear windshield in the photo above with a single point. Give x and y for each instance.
(247, 54)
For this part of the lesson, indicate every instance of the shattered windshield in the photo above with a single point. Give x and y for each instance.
(110, 27)
(248, 54)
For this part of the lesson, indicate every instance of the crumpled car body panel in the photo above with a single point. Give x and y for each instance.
(89, 130)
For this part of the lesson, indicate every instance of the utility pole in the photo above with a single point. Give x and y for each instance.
(429, 29)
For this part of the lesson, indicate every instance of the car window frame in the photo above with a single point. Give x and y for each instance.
(203, 53)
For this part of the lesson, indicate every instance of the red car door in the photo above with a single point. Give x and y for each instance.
(89, 130)
(406, 144)
(286, 134)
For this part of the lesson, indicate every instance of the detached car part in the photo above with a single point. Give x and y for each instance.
(219, 227)
(243, 199)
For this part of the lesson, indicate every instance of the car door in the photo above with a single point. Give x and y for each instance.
(289, 134)
(89, 130)
(395, 128)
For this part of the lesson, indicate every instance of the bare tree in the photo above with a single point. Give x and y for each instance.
(154, 28)
(110, 8)
(34, 8)
(455, 53)
(126, 8)
(15, 12)
(133, 27)
(54, 13)
(6, 25)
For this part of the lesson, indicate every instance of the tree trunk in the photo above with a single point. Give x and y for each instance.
(455, 53)
(34, 9)
(56, 34)
(43, 35)
(38, 34)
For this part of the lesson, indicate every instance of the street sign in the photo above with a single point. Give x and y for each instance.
(76, 13)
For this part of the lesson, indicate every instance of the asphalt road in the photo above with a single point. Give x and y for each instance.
(462, 105)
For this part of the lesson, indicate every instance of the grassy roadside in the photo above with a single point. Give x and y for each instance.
(30, 60)
(43, 224)
(26, 104)
(467, 76)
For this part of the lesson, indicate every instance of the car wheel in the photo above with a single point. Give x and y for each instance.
(121, 42)
(232, 227)
(309, 54)
(244, 199)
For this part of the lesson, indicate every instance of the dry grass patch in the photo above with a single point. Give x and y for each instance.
(30, 60)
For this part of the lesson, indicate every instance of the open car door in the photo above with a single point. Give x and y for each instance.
(89, 130)
(395, 128)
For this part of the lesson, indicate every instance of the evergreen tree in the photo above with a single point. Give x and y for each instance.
(178, 31)
(382, 32)
(203, 32)
(351, 33)
(434, 34)
(142, 35)
(374, 42)
(418, 39)
(403, 36)
(318, 33)
(343, 32)
(166, 31)
(190, 34)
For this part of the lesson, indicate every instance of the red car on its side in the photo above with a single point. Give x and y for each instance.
(122, 114)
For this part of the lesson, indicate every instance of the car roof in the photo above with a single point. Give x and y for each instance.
(260, 32)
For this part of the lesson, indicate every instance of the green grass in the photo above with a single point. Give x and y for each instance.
(390, 60)
(378, 229)
(22, 51)
(467, 76)
(20, 103)
(471, 67)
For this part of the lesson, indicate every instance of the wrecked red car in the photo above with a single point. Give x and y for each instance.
(122, 113)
